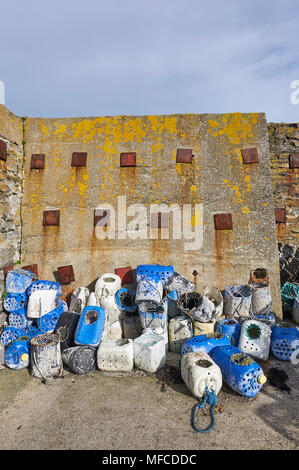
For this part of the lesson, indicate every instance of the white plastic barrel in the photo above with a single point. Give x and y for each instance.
(199, 371)
(110, 306)
(114, 330)
(160, 332)
(255, 339)
(200, 328)
(149, 352)
(92, 300)
(180, 330)
(107, 285)
(261, 301)
(214, 294)
(41, 302)
(115, 355)
(79, 300)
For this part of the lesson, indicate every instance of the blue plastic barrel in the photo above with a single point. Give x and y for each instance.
(152, 270)
(48, 322)
(17, 354)
(14, 302)
(230, 328)
(18, 280)
(45, 285)
(125, 299)
(10, 334)
(282, 342)
(204, 343)
(239, 371)
(90, 326)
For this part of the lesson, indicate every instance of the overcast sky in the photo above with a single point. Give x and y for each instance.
(65, 58)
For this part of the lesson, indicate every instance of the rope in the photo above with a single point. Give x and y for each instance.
(211, 399)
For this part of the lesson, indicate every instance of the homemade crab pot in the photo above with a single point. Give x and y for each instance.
(10, 334)
(125, 300)
(255, 339)
(80, 359)
(199, 371)
(160, 332)
(239, 371)
(131, 325)
(113, 330)
(18, 280)
(289, 292)
(172, 304)
(295, 311)
(17, 354)
(200, 328)
(180, 330)
(107, 285)
(261, 301)
(15, 302)
(18, 320)
(41, 302)
(47, 323)
(79, 299)
(199, 307)
(65, 329)
(230, 328)
(215, 296)
(152, 316)
(284, 342)
(45, 356)
(180, 284)
(149, 289)
(115, 355)
(148, 271)
(90, 326)
(205, 343)
(112, 309)
(237, 301)
(45, 285)
(149, 352)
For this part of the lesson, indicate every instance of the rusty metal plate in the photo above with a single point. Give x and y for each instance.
(250, 155)
(3, 150)
(79, 158)
(160, 220)
(101, 218)
(66, 274)
(125, 274)
(37, 161)
(184, 156)
(223, 221)
(128, 159)
(280, 215)
(294, 160)
(51, 217)
(31, 267)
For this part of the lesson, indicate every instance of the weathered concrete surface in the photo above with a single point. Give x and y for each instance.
(217, 178)
(11, 174)
(283, 141)
(138, 412)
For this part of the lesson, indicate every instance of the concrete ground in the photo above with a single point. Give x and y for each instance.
(137, 411)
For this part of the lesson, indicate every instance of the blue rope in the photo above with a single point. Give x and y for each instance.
(211, 399)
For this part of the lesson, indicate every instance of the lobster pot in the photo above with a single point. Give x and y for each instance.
(131, 326)
(107, 285)
(284, 342)
(18, 320)
(154, 270)
(255, 338)
(79, 300)
(45, 356)
(239, 371)
(125, 300)
(180, 284)
(65, 329)
(115, 355)
(15, 302)
(172, 304)
(90, 326)
(149, 352)
(17, 354)
(237, 301)
(204, 343)
(149, 289)
(10, 334)
(200, 328)
(199, 371)
(162, 333)
(48, 322)
(199, 307)
(109, 304)
(92, 300)
(153, 316)
(230, 328)
(295, 311)
(18, 280)
(45, 285)
(80, 359)
(41, 302)
(114, 330)
(261, 301)
(215, 296)
(180, 330)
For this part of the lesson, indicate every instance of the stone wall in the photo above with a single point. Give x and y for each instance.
(283, 143)
(11, 177)
(216, 181)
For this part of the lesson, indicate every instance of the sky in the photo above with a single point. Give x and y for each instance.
(69, 58)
